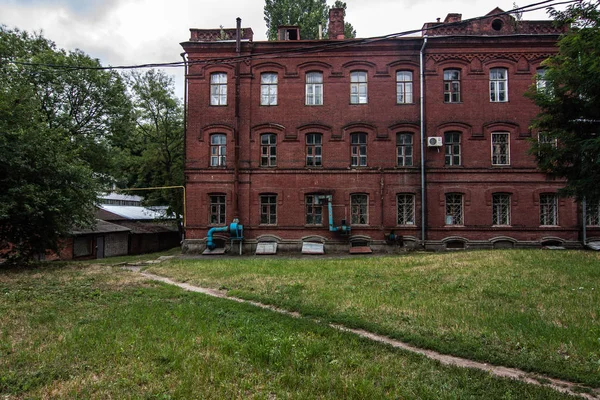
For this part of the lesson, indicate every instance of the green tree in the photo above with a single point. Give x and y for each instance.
(155, 146)
(307, 14)
(59, 124)
(45, 188)
(87, 105)
(569, 97)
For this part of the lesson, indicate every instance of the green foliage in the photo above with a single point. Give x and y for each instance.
(57, 127)
(154, 149)
(570, 104)
(307, 14)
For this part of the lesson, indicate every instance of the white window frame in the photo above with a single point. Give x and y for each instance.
(404, 87)
(454, 206)
(452, 85)
(501, 209)
(405, 209)
(499, 85)
(217, 209)
(268, 89)
(218, 150)
(218, 89)
(497, 153)
(548, 209)
(358, 87)
(314, 88)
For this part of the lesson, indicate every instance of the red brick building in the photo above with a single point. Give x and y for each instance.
(277, 129)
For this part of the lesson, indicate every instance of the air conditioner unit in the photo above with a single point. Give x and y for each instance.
(434, 141)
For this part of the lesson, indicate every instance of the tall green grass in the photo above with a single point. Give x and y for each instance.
(532, 309)
(99, 332)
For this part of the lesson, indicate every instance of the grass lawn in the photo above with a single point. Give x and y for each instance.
(532, 309)
(95, 331)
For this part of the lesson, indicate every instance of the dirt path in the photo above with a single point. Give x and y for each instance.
(503, 372)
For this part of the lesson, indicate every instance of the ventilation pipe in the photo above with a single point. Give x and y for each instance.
(235, 229)
(343, 229)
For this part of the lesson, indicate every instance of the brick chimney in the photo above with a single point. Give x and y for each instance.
(452, 17)
(336, 23)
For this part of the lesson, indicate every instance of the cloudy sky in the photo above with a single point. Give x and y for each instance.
(128, 32)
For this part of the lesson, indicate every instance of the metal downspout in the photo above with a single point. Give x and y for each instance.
(584, 222)
(236, 132)
(185, 102)
(422, 101)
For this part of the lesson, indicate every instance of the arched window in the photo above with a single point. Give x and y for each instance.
(314, 150)
(404, 87)
(268, 89)
(498, 85)
(218, 150)
(452, 148)
(451, 85)
(268, 150)
(358, 149)
(404, 149)
(314, 89)
(358, 87)
(218, 89)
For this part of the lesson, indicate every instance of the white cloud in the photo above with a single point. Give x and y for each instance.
(125, 32)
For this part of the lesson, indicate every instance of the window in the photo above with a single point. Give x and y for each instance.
(454, 209)
(314, 89)
(358, 87)
(548, 209)
(268, 209)
(501, 209)
(314, 210)
(268, 150)
(217, 209)
(500, 148)
(268, 89)
(82, 246)
(498, 85)
(404, 87)
(452, 145)
(314, 150)
(592, 213)
(359, 209)
(404, 149)
(545, 139)
(217, 150)
(406, 209)
(452, 85)
(359, 149)
(541, 84)
(218, 89)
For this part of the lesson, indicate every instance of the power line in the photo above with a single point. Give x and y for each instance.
(305, 50)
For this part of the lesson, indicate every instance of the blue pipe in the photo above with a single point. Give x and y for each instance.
(341, 229)
(210, 244)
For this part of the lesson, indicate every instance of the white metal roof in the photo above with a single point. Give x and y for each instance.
(119, 196)
(133, 212)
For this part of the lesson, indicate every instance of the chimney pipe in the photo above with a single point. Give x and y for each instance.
(336, 24)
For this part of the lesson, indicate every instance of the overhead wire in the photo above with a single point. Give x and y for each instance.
(297, 51)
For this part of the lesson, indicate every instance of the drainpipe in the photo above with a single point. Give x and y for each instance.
(236, 132)
(422, 101)
(584, 206)
(185, 99)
